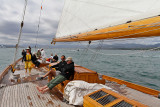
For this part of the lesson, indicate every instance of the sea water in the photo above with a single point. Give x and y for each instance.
(136, 66)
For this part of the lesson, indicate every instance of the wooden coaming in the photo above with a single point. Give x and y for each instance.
(7, 69)
(133, 86)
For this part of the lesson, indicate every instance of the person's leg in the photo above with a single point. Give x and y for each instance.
(41, 88)
(50, 77)
(52, 71)
(58, 79)
(29, 66)
(26, 65)
(44, 90)
(37, 63)
(49, 72)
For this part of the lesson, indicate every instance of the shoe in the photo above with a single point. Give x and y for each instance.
(64, 100)
(39, 78)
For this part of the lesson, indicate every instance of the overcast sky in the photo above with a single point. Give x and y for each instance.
(11, 12)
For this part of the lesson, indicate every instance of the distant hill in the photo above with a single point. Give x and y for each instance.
(130, 46)
(7, 46)
(104, 46)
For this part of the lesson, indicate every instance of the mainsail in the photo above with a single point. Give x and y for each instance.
(86, 20)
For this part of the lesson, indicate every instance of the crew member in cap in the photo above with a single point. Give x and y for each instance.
(65, 74)
(38, 54)
(28, 60)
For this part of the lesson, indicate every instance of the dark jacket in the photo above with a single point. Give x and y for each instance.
(59, 66)
(23, 54)
(68, 70)
(34, 58)
(25, 57)
(56, 58)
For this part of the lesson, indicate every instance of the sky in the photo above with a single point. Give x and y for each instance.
(11, 17)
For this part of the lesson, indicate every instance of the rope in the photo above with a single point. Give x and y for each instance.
(122, 54)
(94, 56)
(38, 25)
(20, 32)
(99, 47)
(82, 56)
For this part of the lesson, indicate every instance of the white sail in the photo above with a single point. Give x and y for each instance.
(80, 16)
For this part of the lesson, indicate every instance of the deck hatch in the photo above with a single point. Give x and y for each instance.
(122, 104)
(107, 99)
(98, 95)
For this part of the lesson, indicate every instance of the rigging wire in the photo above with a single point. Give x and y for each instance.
(99, 47)
(38, 25)
(20, 31)
(82, 55)
(77, 49)
(142, 51)
(94, 56)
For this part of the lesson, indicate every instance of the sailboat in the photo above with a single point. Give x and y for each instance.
(91, 20)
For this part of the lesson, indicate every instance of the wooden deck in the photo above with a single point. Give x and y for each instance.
(23, 92)
(26, 95)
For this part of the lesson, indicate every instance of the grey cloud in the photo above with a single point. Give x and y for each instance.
(6, 38)
(29, 28)
(53, 24)
(9, 27)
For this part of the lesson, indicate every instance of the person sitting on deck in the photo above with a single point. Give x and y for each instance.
(34, 60)
(43, 55)
(55, 58)
(65, 74)
(52, 73)
(28, 60)
(51, 58)
(38, 54)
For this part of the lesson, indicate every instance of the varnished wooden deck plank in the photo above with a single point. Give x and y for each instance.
(26, 95)
(1, 94)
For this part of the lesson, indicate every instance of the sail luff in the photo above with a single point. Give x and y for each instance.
(141, 28)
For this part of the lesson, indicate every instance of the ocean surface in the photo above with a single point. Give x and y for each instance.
(136, 66)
